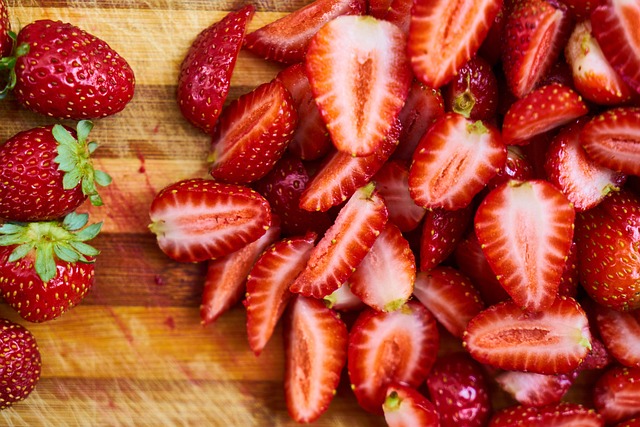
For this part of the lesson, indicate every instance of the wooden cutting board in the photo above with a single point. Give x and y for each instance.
(134, 352)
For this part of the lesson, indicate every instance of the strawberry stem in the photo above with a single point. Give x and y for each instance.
(8, 65)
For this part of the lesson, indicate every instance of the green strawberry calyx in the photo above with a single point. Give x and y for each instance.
(74, 159)
(8, 65)
(48, 241)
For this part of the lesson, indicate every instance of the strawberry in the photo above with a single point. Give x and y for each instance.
(442, 230)
(268, 286)
(342, 299)
(620, 333)
(491, 47)
(616, 395)
(570, 275)
(554, 341)
(68, 73)
(473, 92)
(612, 139)
(360, 77)
(607, 237)
(406, 407)
(205, 73)
(395, 11)
(517, 166)
(252, 134)
(526, 229)
(20, 363)
(47, 172)
(46, 267)
(444, 35)
(385, 348)
(541, 110)
(344, 245)
(535, 32)
(562, 414)
(197, 219)
(315, 353)
(6, 42)
(459, 391)
(581, 9)
(531, 389)
(454, 161)
(634, 422)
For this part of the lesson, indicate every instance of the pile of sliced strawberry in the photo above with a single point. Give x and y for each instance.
(441, 169)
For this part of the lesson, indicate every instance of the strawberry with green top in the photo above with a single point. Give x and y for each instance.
(20, 363)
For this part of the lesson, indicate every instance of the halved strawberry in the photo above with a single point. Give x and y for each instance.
(360, 77)
(444, 35)
(197, 219)
(344, 245)
(268, 286)
(620, 333)
(541, 110)
(405, 407)
(442, 230)
(315, 346)
(554, 341)
(384, 348)
(342, 299)
(252, 134)
(562, 414)
(454, 161)
(616, 395)
(286, 39)
(526, 229)
(531, 389)
(612, 139)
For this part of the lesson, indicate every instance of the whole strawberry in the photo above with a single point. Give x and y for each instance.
(5, 27)
(46, 172)
(46, 267)
(20, 363)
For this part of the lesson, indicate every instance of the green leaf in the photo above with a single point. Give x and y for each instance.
(85, 249)
(20, 251)
(75, 221)
(11, 239)
(96, 200)
(88, 233)
(45, 264)
(67, 158)
(11, 228)
(22, 49)
(71, 179)
(89, 187)
(92, 146)
(102, 178)
(65, 253)
(83, 129)
(63, 136)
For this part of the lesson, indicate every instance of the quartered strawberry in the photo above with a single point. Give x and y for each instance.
(535, 33)
(562, 414)
(197, 219)
(205, 72)
(554, 341)
(526, 229)
(360, 77)
(286, 39)
(612, 139)
(620, 333)
(616, 395)
(454, 161)
(20, 361)
(473, 92)
(342, 299)
(315, 347)
(444, 35)
(442, 230)
(385, 277)
(531, 389)
(252, 134)
(405, 407)
(268, 286)
(517, 166)
(344, 245)
(385, 348)
(546, 108)
(459, 391)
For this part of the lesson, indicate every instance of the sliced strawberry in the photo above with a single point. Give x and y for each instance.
(450, 296)
(531, 389)
(612, 139)
(634, 422)
(384, 348)
(315, 346)
(286, 39)
(562, 414)
(442, 230)
(344, 245)
(444, 35)
(197, 219)
(360, 77)
(399, 13)
(516, 167)
(384, 279)
(342, 299)
(581, 9)
(454, 161)
(620, 333)
(554, 341)
(473, 92)
(526, 229)
(541, 110)
(268, 286)
(252, 134)
(491, 47)
(406, 407)
(616, 395)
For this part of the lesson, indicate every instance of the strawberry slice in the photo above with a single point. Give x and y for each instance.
(554, 341)
(342, 299)
(252, 134)
(444, 35)
(562, 414)
(286, 39)
(531, 389)
(344, 245)
(385, 348)
(384, 279)
(442, 230)
(360, 77)
(268, 286)
(526, 229)
(197, 219)
(541, 110)
(620, 333)
(454, 161)
(315, 347)
(616, 395)
(406, 407)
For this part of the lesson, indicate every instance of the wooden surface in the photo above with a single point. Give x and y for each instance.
(134, 352)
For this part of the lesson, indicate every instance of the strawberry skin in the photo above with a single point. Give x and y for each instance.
(562, 414)
(473, 92)
(405, 407)
(20, 363)
(442, 231)
(5, 26)
(531, 389)
(50, 81)
(616, 395)
(205, 72)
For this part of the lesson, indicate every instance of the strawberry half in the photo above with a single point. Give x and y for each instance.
(342, 299)
(405, 407)
(554, 341)
(360, 77)
(531, 389)
(620, 333)
(20, 360)
(562, 414)
(444, 35)
(526, 229)
(197, 219)
(616, 394)
(442, 231)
